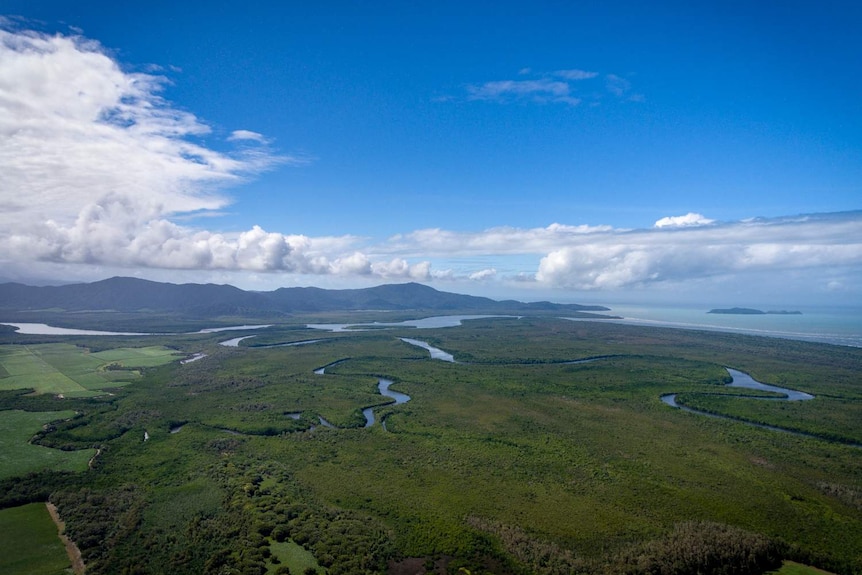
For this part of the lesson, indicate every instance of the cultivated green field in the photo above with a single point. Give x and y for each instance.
(510, 461)
(29, 544)
(793, 568)
(72, 371)
(18, 457)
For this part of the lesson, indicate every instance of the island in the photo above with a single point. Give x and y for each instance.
(750, 311)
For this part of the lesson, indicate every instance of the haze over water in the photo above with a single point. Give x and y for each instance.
(835, 325)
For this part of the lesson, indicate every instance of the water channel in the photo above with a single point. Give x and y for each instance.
(742, 379)
(739, 380)
(382, 387)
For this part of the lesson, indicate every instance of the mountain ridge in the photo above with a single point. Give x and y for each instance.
(127, 294)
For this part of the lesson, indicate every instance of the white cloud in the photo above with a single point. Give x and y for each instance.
(575, 74)
(688, 253)
(544, 89)
(690, 219)
(401, 269)
(559, 86)
(239, 135)
(502, 240)
(681, 250)
(483, 275)
(98, 172)
(76, 131)
(94, 164)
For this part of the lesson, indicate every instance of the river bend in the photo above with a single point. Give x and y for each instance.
(739, 379)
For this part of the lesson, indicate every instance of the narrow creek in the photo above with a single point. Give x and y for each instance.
(383, 384)
(382, 387)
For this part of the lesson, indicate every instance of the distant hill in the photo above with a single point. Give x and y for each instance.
(207, 300)
(750, 311)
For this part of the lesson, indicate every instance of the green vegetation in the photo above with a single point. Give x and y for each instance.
(511, 461)
(793, 568)
(29, 544)
(19, 457)
(72, 371)
(293, 556)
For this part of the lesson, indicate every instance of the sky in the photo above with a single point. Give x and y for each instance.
(706, 152)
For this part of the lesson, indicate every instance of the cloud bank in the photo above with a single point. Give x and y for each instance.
(98, 171)
(676, 249)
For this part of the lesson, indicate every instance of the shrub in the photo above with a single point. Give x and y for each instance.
(704, 548)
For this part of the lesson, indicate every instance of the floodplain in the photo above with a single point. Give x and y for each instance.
(511, 459)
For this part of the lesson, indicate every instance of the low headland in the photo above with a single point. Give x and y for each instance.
(751, 311)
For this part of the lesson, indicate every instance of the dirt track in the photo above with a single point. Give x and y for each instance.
(71, 548)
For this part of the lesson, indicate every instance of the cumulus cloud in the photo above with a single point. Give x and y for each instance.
(690, 219)
(76, 128)
(677, 249)
(97, 169)
(401, 269)
(685, 252)
(94, 163)
(483, 275)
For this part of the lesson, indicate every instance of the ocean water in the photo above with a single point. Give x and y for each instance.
(835, 325)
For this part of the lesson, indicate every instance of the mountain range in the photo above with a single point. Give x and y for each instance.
(124, 294)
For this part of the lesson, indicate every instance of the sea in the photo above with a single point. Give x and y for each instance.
(834, 325)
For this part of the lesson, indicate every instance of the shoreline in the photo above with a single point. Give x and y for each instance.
(832, 326)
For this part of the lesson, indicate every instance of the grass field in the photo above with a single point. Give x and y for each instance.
(72, 371)
(293, 556)
(29, 544)
(18, 457)
(793, 568)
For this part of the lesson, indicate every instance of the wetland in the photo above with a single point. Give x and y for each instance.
(542, 446)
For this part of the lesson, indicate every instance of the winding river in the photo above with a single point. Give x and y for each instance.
(739, 379)
(383, 387)
(742, 379)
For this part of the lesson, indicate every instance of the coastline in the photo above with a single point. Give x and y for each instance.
(836, 326)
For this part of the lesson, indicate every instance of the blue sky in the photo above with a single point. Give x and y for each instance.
(609, 151)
